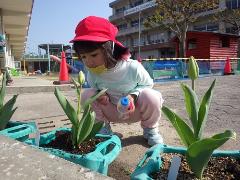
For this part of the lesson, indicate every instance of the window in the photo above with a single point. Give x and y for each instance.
(233, 4)
(200, 28)
(232, 30)
(122, 26)
(224, 42)
(206, 27)
(134, 23)
(212, 27)
(120, 10)
(192, 44)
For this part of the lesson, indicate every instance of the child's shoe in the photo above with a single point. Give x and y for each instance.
(153, 136)
(106, 129)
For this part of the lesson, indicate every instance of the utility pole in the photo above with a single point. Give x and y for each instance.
(139, 35)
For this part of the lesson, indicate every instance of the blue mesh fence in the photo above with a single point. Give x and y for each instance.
(177, 67)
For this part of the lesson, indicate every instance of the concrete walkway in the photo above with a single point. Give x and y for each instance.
(34, 84)
(22, 162)
(224, 113)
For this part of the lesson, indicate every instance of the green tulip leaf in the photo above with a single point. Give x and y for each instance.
(199, 153)
(86, 125)
(93, 98)
(184, 131)
(67, 107)
(74, 135)
(6, 112)
(191, 102)
(3, 90)
(203, 110)
(96, 128)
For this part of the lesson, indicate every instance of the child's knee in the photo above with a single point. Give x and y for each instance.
(151, 97)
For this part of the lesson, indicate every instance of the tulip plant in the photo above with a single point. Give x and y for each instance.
(6, 110)
(82, 119)
(193, 70)
(199, 149)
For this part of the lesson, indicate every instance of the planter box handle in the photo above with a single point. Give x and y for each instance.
(19, 131)
(102, 148)
(153, 164)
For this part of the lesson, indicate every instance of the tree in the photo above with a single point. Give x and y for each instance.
(176, 15)
(232, 17)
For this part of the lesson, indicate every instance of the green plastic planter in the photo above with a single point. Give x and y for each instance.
(151, 162)
(19, 130)
(98, 160)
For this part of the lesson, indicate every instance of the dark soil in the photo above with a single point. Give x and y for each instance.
(120, 170)
(63, 142)
(218, 168)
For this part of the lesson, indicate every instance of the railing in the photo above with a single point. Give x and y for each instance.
(140, 7)
(36, 56)
(116, 16)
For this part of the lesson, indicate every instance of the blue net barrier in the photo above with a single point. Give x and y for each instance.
(177, 67)
(165, 68)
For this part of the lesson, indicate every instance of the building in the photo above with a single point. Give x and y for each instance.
(129, 15)
(211, 45)
(42, 61)
(15, 19)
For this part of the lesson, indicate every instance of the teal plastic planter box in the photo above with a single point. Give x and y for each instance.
(151, 162)
(98, 160)
(19, 130)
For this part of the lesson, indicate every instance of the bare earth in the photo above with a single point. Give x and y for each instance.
(224, 114)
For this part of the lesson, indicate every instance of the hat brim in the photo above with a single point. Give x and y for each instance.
(95, 39)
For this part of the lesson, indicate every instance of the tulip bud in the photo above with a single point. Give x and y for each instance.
(193, 70)
(81, 78)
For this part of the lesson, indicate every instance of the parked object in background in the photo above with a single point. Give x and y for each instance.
(38, 72)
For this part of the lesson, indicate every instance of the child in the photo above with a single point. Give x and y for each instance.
(109, 66)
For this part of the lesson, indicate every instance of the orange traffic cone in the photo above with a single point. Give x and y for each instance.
(227, 67)
(63, 74)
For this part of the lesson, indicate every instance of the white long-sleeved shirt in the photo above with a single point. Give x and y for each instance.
(127, 77)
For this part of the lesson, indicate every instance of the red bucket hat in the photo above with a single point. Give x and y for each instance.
(97, 29)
